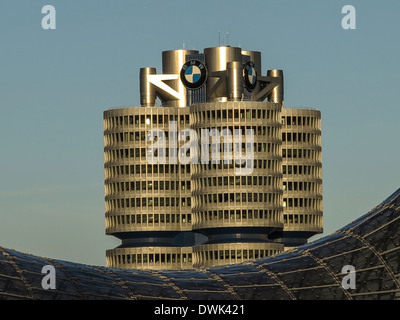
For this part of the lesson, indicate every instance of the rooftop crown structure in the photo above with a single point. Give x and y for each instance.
(210, 169)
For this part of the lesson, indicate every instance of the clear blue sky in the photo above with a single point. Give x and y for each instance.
(55, 85)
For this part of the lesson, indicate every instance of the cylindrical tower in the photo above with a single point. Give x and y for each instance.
(172, 62)
(216, 59)
(302, 175)
(237, 184)
(148, 97)
(234, 81)
(147, 195)
(277, 93)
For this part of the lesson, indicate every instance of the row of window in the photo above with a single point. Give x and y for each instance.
(232, 255)
(147, 220)
(300, 121)
(237, 197)
(238, 181)
(302, 203)
(235, 114)
(164, 119)
(210, 182)
(302, 218)
(147, 186)
(144, 154)
(257, 164)
(182, 185)
(310, 154)
(216, 198)
(143, 120)
(232, 148)
(302, 186)
(301, 137)
(300, 169)
(258, 131)
(148, 202)
(150, 259)
(113, 171)
(148, 137)
(237, 215)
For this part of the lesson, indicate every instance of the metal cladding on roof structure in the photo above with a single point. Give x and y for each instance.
(371, 244)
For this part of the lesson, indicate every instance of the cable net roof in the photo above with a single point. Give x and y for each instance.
(371, 244)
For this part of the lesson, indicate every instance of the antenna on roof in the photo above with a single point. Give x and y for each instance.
(219, 37)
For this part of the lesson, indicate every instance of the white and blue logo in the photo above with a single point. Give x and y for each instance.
(250, 76)
(193, 74)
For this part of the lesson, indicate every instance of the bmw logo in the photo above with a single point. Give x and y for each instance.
(193, 74)
(250, 76)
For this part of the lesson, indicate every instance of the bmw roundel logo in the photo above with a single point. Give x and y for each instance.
(193, 74)
(250, 76)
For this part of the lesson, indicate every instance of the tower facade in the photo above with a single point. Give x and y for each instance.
(148, 206)
(198, 174)
(302, 175)
(239, 213)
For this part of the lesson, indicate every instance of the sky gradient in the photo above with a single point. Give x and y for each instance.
(55, 85)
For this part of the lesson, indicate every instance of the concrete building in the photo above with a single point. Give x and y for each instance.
(206, 171)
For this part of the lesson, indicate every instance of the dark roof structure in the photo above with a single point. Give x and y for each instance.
(371, 244)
